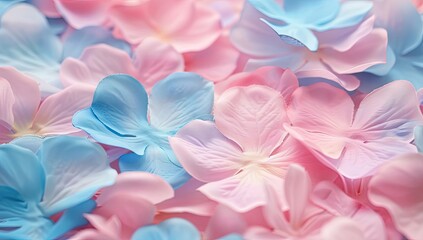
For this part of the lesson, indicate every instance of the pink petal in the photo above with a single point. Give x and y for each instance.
(282, 80)
(389, 111)
(225, 221)
(321, 108)
(55, 113)
(361, 159)
(103, 60)
(74, 71)
(86, 13)
(340, 227)
(216, 62)
(397, 188)
(205, 153)
(331, 39)
(242, 192)
(253, 117)
(188, 199)
(138, 185)
(154, 60)
(7, 99)
(203, 30)
(369, 51)
(297, 190)
(27, 96)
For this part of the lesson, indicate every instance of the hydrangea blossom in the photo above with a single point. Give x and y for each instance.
(118, 117)
(35, 187)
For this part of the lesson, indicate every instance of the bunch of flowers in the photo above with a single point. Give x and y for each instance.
(211, 119)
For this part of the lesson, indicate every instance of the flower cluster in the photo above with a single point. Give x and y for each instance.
(211, 119)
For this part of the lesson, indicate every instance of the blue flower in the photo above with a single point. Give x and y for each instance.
(174, 228)
(296, 20)
(405, 46)
(29, 44)
(63, 176)
(118, 117)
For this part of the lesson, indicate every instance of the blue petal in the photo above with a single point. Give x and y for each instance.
(71, 219)
(156, 161)
(174, 228)
(80, 39)
(270, 8)
(179, 99)
(150, 233)
(87, 121)
(20, 219)
(295, 35)
(120, 103)
(75, 168)
(408, 67)
(311, 12)
(350, 14)
(30, 142)
(28, 45)
(403, 23)
(21, 170)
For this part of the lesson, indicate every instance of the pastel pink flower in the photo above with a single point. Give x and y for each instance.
(352, 140)
(245, 153)
(397, 187)
(215, 63)
(282, 80)
(22, 111)
(194, 30)
(126, 206)
(311, 209)
(336, 58)
(152, 61)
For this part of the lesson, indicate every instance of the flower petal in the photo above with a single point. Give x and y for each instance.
(351, 13)
(156, 161)
(368, 51)
(321, 108)
(155, 60)
(214, 63)
(242, 192)
(86, 13)
(404, 34)
(139, 185)
(120, 103)
(21, 170)
(179, 99)
(86, 161)
(282, 80)
(76, 42)
(295, 35)
(55, 113)
(87, 121)
(340, 227)
(390, 111)
(253, 117)
(397, 188)
(27, 96)
(205, 153)
(39, 50)
(175, 228)
(7, 100)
